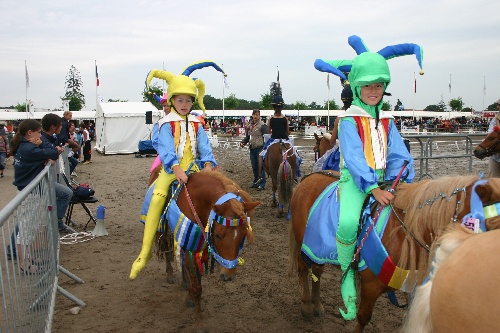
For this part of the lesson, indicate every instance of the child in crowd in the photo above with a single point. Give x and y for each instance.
(182, 142)
(30, 157)
(372, 150)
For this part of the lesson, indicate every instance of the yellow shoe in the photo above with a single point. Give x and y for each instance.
(139, 264)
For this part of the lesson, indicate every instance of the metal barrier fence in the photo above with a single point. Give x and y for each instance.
(459, 146)
(28, 282)
(29, 255)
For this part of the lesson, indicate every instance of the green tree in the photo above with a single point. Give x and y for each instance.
(456, 104)
(299, 106)
(212, 103)
(20, 107)
(231, 102)
(333, 105)
(265, 101)
(147, 95)
(386, 106)
(492, 107)
(73, 88)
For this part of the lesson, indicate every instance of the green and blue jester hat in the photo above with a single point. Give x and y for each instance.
(369, 67)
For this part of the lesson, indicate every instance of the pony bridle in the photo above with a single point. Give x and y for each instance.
(227, 222)
(489, 151)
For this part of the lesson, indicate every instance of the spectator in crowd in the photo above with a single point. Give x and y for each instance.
(51, 126)
(64, 134)
(4, 149)
(255, 131)
(494, 166)
(86, 144)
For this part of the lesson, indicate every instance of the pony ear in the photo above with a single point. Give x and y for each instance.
(250, 205)
(484, 192)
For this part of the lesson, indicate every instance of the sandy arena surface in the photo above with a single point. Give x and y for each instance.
(262, 298)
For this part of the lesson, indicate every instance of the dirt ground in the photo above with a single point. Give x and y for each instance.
(262, 298)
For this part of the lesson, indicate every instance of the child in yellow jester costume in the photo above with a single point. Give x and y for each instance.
(372, 150)
(181, 141)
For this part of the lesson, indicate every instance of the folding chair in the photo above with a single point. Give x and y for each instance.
(76, 200)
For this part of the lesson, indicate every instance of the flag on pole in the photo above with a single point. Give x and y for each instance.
(484, 85)
(415, 85)
(27, 76)
(328, 80)
(449, 84)
(96, 75)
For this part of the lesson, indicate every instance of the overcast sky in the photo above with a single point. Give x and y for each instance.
(250, 39)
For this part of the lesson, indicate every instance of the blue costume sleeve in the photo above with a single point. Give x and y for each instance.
(166, 148)
(397, 153)
(364, 177)
(154, 138)
(205, 153)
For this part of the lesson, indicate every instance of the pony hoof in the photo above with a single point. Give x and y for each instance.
(184, 285)
(319, 314)
(189, 303)
(171, 280)
(274, 204)
(225, 278)
(280, 214)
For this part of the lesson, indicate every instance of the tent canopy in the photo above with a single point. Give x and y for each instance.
(121, 125)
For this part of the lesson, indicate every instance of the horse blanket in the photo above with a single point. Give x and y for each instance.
(319, 245)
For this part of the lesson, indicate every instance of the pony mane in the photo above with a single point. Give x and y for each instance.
(232, 187)
(228, 184)
(428, 207)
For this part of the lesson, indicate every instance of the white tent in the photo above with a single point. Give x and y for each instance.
(121, 125)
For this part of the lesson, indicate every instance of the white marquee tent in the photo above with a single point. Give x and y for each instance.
(121, 125)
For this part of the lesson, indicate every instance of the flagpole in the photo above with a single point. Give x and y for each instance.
(96, 84)
(27, 83)
(328, 100)
(449, 100)
(414, 93)
(222, 66)
(484, 89)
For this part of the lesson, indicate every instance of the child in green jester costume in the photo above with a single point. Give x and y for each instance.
(372, 150)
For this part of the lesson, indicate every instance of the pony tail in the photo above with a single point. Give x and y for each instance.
(285, 182)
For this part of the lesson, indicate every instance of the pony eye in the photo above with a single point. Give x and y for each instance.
(218, 236)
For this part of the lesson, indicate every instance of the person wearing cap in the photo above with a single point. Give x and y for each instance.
(494, 162)
(371, 151)
(182, 145)
(255, 138)
(279, 128)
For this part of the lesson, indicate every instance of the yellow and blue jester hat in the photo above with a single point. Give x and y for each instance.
(182, 84)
